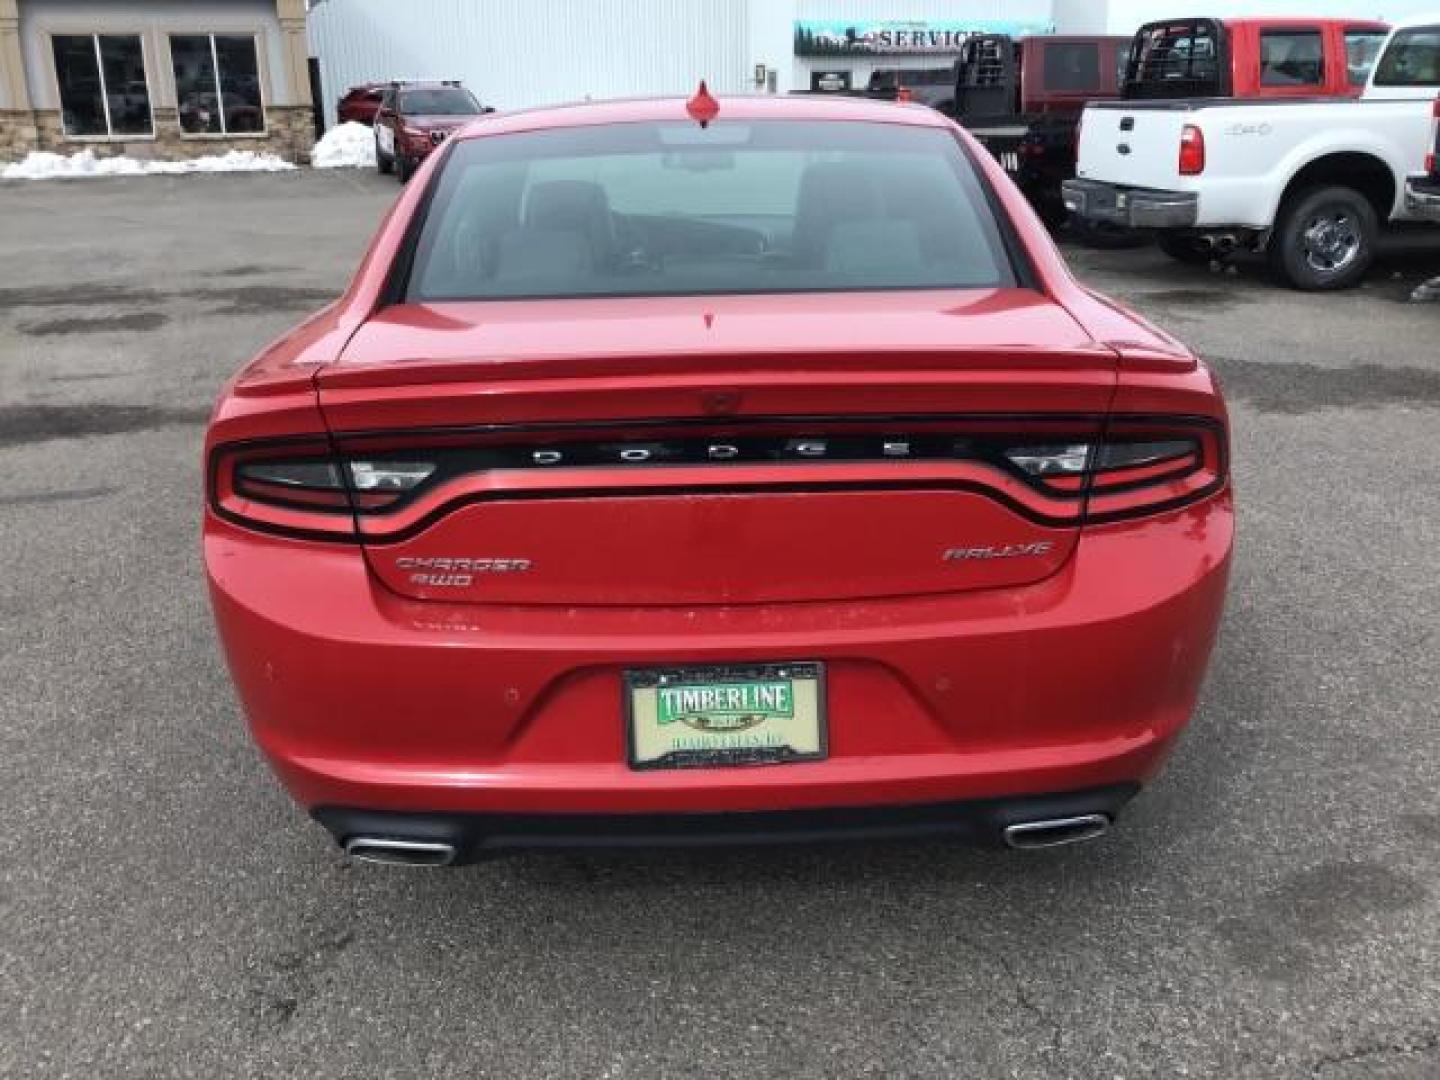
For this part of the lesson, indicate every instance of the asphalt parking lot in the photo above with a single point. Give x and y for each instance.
(1270, 908)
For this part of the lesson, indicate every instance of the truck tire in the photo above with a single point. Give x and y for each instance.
(383, 161)
(1185, 249)
(1324, 239)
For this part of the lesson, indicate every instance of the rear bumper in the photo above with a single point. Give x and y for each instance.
(1134, 208)
(477, 836)
(367, 701)
(1422, 197)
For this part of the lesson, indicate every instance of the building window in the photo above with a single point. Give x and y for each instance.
(217, 84)
(103, 90)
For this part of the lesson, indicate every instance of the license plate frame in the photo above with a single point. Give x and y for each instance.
(727, 748)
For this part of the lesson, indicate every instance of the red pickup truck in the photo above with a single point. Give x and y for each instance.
(1277, 57)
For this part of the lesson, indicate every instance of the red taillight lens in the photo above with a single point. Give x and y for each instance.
(1147, 467)
(298, 488)
(1139, 468)
(1192, 151)
(1055, 471)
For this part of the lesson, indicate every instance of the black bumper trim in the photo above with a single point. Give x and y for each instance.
(1134, 208)
(479, 836)
(1422, 197)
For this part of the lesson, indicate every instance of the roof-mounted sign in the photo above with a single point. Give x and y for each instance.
(841, 38)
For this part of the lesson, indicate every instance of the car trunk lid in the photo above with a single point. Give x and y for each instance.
(675, 451)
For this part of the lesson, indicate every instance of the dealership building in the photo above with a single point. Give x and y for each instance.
(178, 78)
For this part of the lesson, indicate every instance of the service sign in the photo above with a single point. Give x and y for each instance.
(841, 38)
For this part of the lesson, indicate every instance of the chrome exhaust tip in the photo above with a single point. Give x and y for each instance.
(1056, 832)
(374, 849)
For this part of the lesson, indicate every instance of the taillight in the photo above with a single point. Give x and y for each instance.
(298, 488)
(1055, 471)
(1063, 459)
(1146, 467)
(1432, 164)
(1138, 468)
(1192, 151)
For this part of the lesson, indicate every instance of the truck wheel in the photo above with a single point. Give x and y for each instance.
(1185, 249)
(1324, 239)
(383, 161)
(403, 168)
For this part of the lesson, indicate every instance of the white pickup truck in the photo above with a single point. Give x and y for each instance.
(1309, 181)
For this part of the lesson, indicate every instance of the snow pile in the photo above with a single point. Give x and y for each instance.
(350, 145)
(40, 165)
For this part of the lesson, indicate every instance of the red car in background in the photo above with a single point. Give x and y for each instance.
(360, 103)
(749, 470)
(416, 117)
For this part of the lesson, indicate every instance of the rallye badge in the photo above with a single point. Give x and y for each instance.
(1004, 551)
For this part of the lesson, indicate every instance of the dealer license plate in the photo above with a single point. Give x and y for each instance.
(713, 716)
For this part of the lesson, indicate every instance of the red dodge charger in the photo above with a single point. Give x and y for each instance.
(716, 471)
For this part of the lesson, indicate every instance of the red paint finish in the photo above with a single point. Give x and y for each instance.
(1246, 41)
(1292, 43)
(1044, 95)
(1072, 664)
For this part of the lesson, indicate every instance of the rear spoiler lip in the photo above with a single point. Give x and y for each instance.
(703, 368)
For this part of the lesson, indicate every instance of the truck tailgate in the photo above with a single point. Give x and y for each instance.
(1136, 144)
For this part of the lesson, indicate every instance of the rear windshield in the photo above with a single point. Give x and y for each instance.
(1412, 59)
(438, 101)
(1072, 67)
(650, 209)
